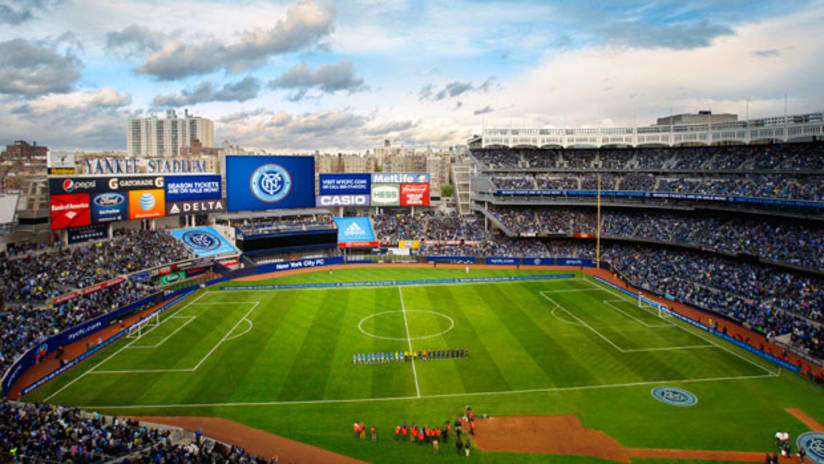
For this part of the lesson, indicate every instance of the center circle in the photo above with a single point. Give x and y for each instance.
(403, 339)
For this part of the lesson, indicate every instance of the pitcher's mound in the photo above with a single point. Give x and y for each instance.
(546, 434)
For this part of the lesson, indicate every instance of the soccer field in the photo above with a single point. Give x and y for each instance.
(281, 360)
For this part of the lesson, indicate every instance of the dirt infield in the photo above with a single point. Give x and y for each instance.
(806, 420)
(546, 434)
(566, 435)
(257, 442)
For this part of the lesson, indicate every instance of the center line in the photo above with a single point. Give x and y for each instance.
(409, 339)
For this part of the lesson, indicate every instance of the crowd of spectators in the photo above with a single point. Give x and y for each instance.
(800, 243)
(429, 225)
(762, 297)
(808, 187)
(28, 281)
(44, 433)
(784, 156)
(36, 277)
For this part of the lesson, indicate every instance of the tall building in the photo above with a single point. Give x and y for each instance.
(155, 137)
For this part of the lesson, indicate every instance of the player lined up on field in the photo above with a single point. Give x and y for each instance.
(400, 356)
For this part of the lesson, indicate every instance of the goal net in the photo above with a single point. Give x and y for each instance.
(652, 306)
(136, 330)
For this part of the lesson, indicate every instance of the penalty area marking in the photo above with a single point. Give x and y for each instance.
(403, 339)
(435, 396)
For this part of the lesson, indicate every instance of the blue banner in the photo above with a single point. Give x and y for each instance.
(269, 182)
(385, 283)
(665, 195)
(186, 188)
(775, 360)
(345, 184)
(452, 259)
(503, 261)
(204, 241)
(354, 229)
(586, 262)
(537, 261)
(299, 264)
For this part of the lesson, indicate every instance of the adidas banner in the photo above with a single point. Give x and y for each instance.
(355, 232)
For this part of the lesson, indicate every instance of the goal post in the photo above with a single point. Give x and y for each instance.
(648, 304)
(136, 330)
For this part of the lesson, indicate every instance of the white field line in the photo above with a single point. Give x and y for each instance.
(409, 340)
(650, 326)
(120, 350)
(581, 321)
(623, 350)
(435, 396)
(189, 320)
(251, 324)
(694, 331)
(190, 369)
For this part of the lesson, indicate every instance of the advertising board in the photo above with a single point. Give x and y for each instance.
(414, 194)
(69, 210)
(344, 184)
(145, 204)
(386, 195)
(269, 182)
(204, 241)
(187, 188)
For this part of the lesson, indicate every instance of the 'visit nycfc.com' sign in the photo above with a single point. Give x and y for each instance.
(269, 182)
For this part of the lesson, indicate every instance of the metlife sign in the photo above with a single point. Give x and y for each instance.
(400, 178)
(342, 200)
(344, 184)
(186, 188)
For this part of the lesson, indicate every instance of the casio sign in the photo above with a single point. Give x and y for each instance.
(343, 200)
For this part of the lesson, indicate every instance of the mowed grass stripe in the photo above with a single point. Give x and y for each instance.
(389, 379)
(557, 366)
(307, 377)
(481, 373)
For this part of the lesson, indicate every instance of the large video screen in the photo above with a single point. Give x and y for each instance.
(269, 182)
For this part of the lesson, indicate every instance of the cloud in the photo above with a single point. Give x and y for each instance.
(15, 12)
(681, 36)
(240, 91)
(36, 68)
(135, 39)
(22, 109)
(484, 110)
(244, 115)
(454, 89)
(766, 53)
(328, 78)
(391, 127)
(306, 23)
(85, 120)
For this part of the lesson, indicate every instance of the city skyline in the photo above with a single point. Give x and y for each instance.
(307, 75)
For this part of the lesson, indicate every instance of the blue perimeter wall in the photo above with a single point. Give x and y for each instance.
(775, 360)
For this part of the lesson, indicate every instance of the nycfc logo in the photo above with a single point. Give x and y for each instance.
(201, 240)
(674, 396)
(813, 444)
(537, 261)
(270, 183)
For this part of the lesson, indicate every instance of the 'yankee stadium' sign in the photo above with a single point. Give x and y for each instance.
(153, 166)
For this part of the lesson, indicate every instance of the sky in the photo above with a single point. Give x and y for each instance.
(296, 76)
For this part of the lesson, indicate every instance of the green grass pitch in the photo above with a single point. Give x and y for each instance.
(281, 360)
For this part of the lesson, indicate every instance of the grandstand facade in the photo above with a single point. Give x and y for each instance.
(774, 129)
